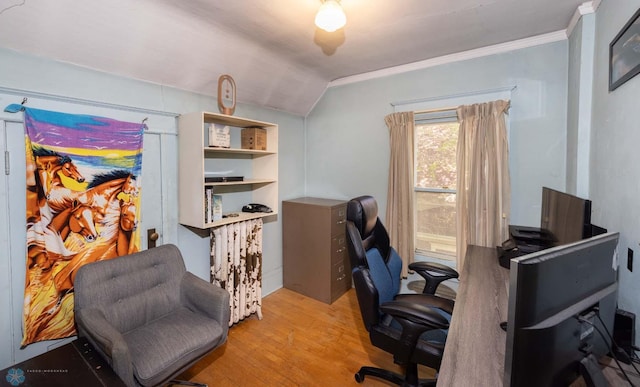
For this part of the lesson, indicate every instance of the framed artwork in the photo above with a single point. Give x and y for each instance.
(624, 53)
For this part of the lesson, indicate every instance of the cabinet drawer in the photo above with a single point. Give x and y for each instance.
(338, 220)
(340, 280)
(338, 248)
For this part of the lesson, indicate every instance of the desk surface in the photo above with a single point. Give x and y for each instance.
(474, 353)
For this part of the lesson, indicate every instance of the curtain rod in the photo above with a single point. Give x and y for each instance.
(88, 102)
(459, 95)
(436, 110)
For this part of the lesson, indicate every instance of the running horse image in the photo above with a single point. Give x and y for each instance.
(83, 193)
(114, 195)
(52, 211)
(44, 180)
(79, 218)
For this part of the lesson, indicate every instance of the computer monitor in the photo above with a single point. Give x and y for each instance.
(566, 216)
(548, 291)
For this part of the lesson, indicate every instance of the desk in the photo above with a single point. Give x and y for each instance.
(474, 353)
(73, 364)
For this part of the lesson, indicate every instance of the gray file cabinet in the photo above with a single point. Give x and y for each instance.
(315, 257)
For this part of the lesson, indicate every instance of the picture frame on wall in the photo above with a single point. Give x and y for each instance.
(624, 53)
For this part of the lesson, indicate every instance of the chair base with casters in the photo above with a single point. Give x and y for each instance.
(409, 379)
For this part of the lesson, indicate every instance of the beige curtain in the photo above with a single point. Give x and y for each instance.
(483, 188)
(399, 216)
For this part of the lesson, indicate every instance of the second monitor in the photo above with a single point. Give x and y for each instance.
(564, 218)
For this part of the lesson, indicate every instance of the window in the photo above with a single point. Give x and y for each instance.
(435, 184)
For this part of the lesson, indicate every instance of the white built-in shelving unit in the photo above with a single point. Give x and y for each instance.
(197, 160)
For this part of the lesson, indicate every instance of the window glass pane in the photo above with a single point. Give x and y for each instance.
(435, 165)
(436, 222)
(436, 155)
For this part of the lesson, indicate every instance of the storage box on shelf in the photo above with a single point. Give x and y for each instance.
(258, 168)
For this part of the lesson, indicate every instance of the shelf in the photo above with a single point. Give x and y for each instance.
(252, 152)
(244, 182)
(238, 122)
(241, 216)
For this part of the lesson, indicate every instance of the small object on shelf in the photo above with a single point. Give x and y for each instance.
(231, 215)
(256, 207)
(219, 136)
(254, 138)
(213, 206)
(226, 94)
(222, 179)
(217, 207)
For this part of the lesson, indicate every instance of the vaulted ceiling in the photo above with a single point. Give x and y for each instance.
(272, 49)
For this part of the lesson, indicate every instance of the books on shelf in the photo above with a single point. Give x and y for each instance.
(213, 206)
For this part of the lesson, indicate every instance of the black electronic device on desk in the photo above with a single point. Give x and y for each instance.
(530, 235)
(508, 251)
(517, 246)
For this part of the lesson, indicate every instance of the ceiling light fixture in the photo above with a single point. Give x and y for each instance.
(330, 16)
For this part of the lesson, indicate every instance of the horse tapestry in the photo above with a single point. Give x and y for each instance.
(83, 191)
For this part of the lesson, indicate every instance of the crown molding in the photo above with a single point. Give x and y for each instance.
(457, 57)
(584, 9)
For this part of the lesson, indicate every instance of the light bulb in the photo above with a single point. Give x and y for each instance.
(330, 16)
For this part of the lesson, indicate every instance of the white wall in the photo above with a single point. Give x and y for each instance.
(348, 124)
(581, 58)
(615, 156)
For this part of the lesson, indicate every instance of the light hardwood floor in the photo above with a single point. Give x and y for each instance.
(299, 342)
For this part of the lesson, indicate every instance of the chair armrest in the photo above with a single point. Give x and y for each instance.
(422, 315)
(415, 320)
(211, 300)
(427, 300)
(107, 340)
(433, 273)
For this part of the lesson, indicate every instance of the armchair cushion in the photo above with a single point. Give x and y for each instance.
(165, 345)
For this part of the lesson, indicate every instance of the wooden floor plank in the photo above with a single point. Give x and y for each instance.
(299, 342)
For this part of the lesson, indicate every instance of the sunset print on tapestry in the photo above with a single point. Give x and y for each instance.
(83, 192)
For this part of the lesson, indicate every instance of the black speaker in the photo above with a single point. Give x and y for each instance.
(624, 335)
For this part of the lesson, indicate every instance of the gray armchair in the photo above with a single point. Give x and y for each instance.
(149, 317)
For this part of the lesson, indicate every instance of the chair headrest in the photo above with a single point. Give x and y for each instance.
(363, 212)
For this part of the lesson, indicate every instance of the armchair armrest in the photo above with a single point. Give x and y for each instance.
(107, 340)
(433, 273)
(198, 294)
(415, 320)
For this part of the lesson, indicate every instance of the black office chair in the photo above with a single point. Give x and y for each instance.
(363, 212)
(411, 327)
